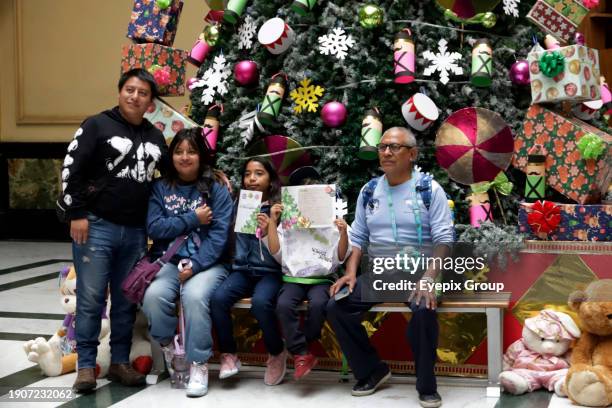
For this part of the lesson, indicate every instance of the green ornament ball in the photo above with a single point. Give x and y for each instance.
(489, 19)
(163, 4)
(212, 34)
(371, 16)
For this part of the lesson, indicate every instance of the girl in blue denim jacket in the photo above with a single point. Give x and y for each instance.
(188, 202)
(255, 274)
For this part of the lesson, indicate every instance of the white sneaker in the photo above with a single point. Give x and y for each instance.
(230, 365)
(198, 380)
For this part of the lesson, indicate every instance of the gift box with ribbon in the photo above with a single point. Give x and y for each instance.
(167, 119)
(560, 18)
(166, 64)
(155, 21)
(578, 155)
(566, 222)
(566, 73)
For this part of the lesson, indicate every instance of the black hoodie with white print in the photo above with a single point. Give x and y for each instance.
(102, 143)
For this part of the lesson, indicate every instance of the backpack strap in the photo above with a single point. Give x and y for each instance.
(424, 189)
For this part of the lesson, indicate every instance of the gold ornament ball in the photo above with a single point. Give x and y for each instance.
(371, 16)
(212, 34)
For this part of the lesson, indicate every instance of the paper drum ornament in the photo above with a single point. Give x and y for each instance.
(420, 111)
(474, 145)
(284, 163)
(587, 110)
(276, 35)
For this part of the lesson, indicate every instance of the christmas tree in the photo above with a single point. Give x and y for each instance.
(354, 65)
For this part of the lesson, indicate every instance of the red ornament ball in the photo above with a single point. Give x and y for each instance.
(333, 114)
(246, 73)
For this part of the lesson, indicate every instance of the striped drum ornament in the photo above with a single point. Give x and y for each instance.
(420, 111)
(276, 35)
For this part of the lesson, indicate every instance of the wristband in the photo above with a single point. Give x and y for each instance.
(184, 264)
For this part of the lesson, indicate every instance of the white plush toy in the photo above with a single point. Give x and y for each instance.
(541, 358)
(58, 355)
(140, 354)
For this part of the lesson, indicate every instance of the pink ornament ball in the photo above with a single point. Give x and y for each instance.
(246, 73)
(519, 73)
(333, 114)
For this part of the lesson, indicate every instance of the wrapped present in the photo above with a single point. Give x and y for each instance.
(167, 119)
(566, 73)
(560, 18)
(577, 223)
(154, 21)
(170, 62)
(581, 179)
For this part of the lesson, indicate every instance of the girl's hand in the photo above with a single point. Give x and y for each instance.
(222, 178)
(185, 274)
(263, 221)
(342, 225)
(275, 212)
(204, 214)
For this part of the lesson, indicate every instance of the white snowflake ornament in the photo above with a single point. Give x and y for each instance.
(511, 7)
(443, 62)
(214, 80)
(336, 43)
(246, 32)
(341, 208)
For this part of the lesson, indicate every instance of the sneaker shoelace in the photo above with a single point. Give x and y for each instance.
(197, 373)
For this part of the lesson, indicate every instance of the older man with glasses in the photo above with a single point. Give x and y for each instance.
(394, 216)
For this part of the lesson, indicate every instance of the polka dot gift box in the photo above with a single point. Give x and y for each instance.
(564, 74)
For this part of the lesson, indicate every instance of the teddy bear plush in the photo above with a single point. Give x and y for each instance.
(589, 380)
(540, 359)
(58, 355)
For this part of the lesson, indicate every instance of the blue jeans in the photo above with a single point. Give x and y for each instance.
(109, 254)
(160, 303)
(263, 290)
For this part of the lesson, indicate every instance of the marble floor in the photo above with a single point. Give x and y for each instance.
(29, 307)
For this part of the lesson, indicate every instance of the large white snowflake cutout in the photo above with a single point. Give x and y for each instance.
(214, 80)
(443, 62)
(246, 32)
(511, 7)
(306, 96)
(336, 43)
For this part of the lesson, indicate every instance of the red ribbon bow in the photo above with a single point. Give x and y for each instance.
(545, 217)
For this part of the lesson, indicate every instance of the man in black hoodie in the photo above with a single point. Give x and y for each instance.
(106, 177)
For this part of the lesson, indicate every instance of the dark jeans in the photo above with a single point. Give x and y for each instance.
(345, 317)
(109, 254)
(291, 295)
(263, 291)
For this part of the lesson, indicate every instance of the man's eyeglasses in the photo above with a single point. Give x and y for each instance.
(395, 147)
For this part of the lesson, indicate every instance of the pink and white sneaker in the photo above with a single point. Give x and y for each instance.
(230, 365)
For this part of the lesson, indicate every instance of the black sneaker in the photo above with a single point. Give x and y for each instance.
(371, 384)
(430, 400)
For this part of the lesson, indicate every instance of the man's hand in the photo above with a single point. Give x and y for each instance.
(79, 230)
(275, 212)
(422, 292)
(185, 274)
(349, 280)
(204, 214)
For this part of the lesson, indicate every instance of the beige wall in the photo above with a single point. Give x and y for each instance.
(60, 62)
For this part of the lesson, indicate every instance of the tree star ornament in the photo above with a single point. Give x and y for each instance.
(306, 96)
(336, 43)
(371, 16)
(214, 80)
(246, 32)
(443, 62)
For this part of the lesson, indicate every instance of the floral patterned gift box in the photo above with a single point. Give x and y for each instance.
(154, 22)
(567, 171)
(560, 18)
(167, 119)
(166, 64)
(577, 78)
(578, 223)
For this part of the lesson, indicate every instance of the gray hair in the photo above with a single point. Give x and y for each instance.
(410, 139)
